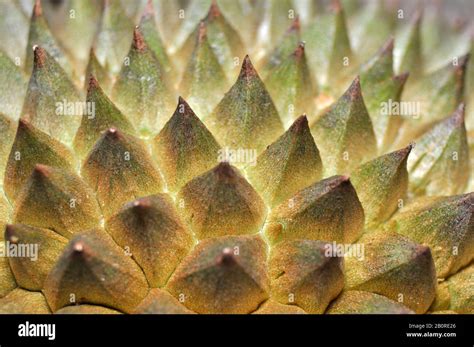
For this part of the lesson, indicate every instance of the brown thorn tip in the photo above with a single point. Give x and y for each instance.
(224, 170)
(141, 203)
(355, 89)
(345, 178)
(138, 40)
(300, 123)
(78, 247)
(42, 169)
(112, 133)
(422, 250)
(417, 16)
(214, 10)
(23, 123)
(10, 234)
(39, 56)
(226, 257)
(37, 9)
(299, 51)
(247, 68)
(93, 83)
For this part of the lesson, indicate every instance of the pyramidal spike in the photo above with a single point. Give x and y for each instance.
(155, 235)
(185, 146)
(204, 80)
(96, 271)
(51, 97)
(344, 134)
(288, 165)
(207, 277)
(311, 214)
(30, 147)
(222, 202)
(237, 119)
(141, 89)
(105, 115)
(291, 85)
(56, 199)
(120, 169)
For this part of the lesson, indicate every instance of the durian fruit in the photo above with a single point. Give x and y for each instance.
(235, 157)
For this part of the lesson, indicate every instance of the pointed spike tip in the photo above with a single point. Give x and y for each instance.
(224, 170)
(214, 10)
(183, 107)
(138, 39)
(299, 51)
(300, 123)
(142, 203)
(247, 68)
(93, 83)
(42, 170)
(78, 247)
(37, 9)
(10, 234)
(226, 257)
(39, 56)
(354, 90)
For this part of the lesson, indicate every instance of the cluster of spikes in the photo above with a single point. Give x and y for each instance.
(133, 209)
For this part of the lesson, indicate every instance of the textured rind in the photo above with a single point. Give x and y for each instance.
(223, 275)
(159, 301)
(272, 307)
(359, 302)
(456, 294)
(20, 301)
(94, 270)
(185, 147)
(246, 109)
(445, 224)
(56, 199)
(31, 272)
(288, 165)
(344, 134)
(194, 49)
(302, 273)
(151, 230)
(327, 210)
(221, 202)
(30, 147)
(120, 169)
(86, 309)
(382, 185)
(392, 264)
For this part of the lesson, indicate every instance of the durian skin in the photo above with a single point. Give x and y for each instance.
(302, 274)
(211, 281)
(264, 249)
(359, 302)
